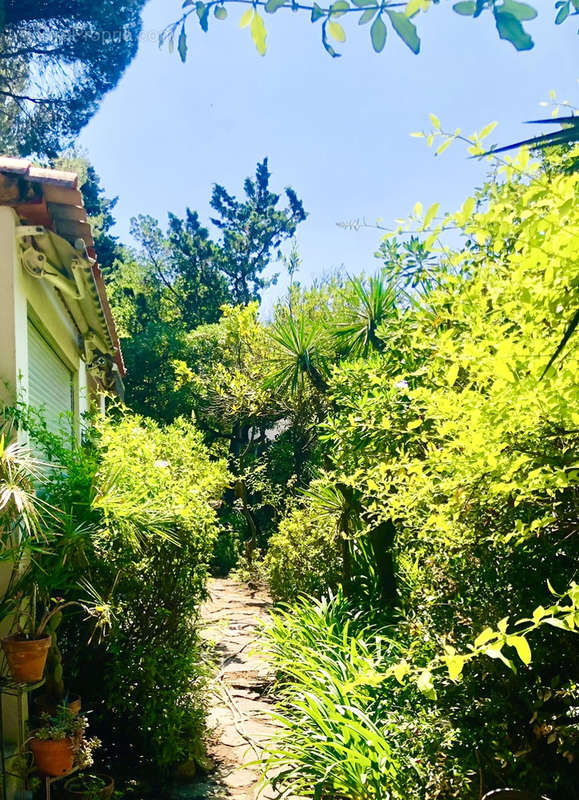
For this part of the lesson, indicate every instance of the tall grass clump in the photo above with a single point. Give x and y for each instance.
(344, 729)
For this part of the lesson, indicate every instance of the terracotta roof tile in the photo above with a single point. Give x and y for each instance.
(66, 211)
(18, 166)
(54, 193)
(56, 177)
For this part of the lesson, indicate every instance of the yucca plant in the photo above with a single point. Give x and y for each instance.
(298, 356)
(373, 303)
(336, 504)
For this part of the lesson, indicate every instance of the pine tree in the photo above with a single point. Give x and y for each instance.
(58, 58)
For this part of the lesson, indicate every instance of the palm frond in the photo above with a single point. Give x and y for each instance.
(20, 505)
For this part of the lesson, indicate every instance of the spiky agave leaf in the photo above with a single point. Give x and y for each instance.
(568, 134)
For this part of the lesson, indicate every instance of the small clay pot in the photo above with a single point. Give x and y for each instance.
(104, 793)
(512, 794)
(44, 704)
(53, 757)
(26, 657)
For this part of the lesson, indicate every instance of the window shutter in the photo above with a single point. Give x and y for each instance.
(50, 382)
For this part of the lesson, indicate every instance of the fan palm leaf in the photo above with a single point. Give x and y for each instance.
(20, 506)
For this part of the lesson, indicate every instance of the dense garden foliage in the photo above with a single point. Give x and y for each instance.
(408, 444)
(396, 456)
(449, 433)
(129, 518)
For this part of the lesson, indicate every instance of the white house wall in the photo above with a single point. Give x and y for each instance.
(8, 305)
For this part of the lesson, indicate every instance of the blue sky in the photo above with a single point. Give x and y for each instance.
(337, 130)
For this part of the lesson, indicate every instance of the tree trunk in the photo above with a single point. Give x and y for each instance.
(381, 539)
(251, 543)
(344, 526)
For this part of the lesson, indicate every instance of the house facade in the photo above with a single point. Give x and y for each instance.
(59, 349)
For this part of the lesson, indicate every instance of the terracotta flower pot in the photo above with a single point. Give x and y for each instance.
(44, 704)
(104, 793)
(26, 657)
(512, 794)
(54, 757)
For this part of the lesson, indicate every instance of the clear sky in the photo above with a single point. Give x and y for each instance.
(337, 130)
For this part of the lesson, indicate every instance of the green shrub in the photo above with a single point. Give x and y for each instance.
(139, 522)
(226, 550)
(155, 489)
(460, 437)
(303, 556)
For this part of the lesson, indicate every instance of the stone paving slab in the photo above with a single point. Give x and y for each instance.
(239, 724)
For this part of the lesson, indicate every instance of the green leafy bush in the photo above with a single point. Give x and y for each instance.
(226, 550)
(138, 520)
(155, 488)
(303, 555)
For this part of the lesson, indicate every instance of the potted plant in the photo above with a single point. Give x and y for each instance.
(90, 786)
(22, 515)
(26, 656)
(48, 703)
(28, 528)
(59, 743)
(27, 650)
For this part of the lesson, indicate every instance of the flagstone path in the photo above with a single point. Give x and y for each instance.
(238, 722)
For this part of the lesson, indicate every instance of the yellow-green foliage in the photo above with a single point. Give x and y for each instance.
(157, 489)
(139, 504)
(161, 476)
(224, 368)
(473, 443)
(303, 555)
(454, 434)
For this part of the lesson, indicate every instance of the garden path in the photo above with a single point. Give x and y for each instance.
(238, 721)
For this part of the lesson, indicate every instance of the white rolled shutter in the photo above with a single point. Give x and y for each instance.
(50, 382)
